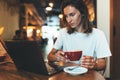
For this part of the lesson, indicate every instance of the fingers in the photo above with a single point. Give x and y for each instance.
(88, 62)
(60, 56)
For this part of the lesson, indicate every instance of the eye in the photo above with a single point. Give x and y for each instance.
(72, 14)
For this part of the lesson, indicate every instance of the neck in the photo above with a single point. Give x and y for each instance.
(79, 29)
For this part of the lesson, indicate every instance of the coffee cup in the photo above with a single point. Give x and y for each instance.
(73, 55)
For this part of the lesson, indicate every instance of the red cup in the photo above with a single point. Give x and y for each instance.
(73, 55)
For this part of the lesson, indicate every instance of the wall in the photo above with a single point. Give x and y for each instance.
(103, 23)
(9, 21)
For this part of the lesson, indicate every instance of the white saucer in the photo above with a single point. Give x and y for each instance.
(77, 71)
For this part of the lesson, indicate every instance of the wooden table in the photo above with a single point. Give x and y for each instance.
(8, 71)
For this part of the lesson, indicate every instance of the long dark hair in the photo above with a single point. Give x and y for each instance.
(81, 6)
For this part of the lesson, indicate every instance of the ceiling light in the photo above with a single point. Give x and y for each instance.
(51, 4)
(60, 15)
(49, 8)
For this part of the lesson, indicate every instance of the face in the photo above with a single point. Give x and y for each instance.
(72, 16)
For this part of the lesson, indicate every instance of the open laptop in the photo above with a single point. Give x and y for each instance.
(27, 55)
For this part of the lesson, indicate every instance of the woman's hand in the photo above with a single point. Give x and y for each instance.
(56, 55)
(60, 56)
(88, 62)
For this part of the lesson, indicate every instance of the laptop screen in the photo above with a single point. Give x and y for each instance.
(27, 55)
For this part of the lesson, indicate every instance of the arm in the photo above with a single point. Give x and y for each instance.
(51, 55)
(100, 64)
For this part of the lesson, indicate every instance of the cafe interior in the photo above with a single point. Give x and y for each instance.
(40, 21)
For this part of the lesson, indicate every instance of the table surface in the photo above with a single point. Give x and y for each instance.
(8, 71)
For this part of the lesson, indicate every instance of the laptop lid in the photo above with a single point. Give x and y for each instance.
(27, 55)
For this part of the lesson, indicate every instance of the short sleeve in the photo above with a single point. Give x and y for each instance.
(102, 48)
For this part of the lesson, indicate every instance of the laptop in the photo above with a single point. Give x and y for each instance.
(27, 55)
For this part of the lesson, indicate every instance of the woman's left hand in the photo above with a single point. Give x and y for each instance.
(88, 62)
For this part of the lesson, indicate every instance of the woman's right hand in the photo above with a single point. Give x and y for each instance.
(60, 56)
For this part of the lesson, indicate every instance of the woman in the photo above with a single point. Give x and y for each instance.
(80, 35)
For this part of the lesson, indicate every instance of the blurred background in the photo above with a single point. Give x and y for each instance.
(39, 18)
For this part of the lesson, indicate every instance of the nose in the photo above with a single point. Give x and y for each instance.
(69, 19)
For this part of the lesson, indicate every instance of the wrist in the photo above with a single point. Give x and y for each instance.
(100, 64)
(96, 65)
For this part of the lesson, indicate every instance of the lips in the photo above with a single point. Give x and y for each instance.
(71, 24)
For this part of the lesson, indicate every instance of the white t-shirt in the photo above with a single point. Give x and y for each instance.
(93, 44)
